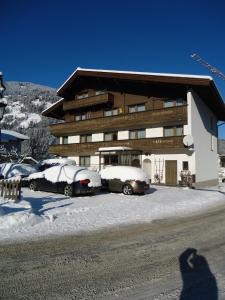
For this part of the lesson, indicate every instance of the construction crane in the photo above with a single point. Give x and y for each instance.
(205, 64)
(212, 69)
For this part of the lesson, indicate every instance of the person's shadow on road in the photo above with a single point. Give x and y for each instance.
(198, 281)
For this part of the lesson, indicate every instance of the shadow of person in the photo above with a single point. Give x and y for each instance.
(198, 281)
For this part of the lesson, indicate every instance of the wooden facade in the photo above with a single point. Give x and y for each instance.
(146, 119)
(147, 145)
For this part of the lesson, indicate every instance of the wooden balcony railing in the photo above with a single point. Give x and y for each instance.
(89, 101)
(160, 117)
(145, 145)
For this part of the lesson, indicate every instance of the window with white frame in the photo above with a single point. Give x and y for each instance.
(85, 161)
(110, 136)
(173, 131)
(112, 112)
(85, 138)
(82, 95)
(173, 102)
(137, 134)
(136, 108)
(100, 92)
(82, 117)
(65, 139)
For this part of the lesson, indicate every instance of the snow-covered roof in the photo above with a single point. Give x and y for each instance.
(135, 73)
(57, 102)
(10, 134)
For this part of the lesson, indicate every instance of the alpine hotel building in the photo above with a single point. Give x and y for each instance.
(164, 123)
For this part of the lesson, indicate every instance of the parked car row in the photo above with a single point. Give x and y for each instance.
(72, 180)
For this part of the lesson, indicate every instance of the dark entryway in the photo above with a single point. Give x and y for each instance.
(171, 172)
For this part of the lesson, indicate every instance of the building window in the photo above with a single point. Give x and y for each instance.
(137, 134)
(99, 92)
(82, 95)
(173, 102)
(112, 112)
(86, 138)
(111, 136)
(173, 130)
(65, 139)
(85, 161)
(185, 166)
(179, 102)
(82, 117)
(168, 103)
(136, 108)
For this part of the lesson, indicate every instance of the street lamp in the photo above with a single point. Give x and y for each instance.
(3, 101)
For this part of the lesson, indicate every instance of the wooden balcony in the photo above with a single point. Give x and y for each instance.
(87, 102)
(165, 144)
(151, 118)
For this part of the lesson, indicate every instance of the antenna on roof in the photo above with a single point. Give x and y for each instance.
(205, 64)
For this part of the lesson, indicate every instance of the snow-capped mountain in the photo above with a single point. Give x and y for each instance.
(26, 101)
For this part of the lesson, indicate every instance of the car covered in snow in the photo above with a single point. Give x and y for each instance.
(51, 162)
(124, 179)
(16, 170)
(65, 179)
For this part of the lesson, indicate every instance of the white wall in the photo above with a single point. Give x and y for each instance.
(94, 162)
(200, 127)
(154, 132)
(73, 139)
(97, 137)
(158, 164)
(123, 135)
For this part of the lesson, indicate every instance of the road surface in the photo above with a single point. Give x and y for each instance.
(169, 259)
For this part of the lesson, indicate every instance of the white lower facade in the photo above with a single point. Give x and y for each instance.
(154, 165)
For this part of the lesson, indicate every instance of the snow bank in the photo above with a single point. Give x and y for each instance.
(69, 174)
(124, 173)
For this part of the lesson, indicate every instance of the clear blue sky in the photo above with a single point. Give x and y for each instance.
(44, 41)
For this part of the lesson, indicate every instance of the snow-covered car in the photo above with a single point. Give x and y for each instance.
(124, 179)
(67, 180)
(17, 170)
(48, 163)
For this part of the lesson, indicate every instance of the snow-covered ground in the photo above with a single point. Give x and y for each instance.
(42, 214)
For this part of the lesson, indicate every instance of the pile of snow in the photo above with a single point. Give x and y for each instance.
(9, 170)
(124, 173)
(69, 174)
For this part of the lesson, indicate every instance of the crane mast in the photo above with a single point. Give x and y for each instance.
(205, 64)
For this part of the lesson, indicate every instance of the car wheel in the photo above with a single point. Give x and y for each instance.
(127, 189)
(68, 190)
(223, 180)
(33, 186)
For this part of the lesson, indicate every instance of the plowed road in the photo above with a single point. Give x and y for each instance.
(149, 261)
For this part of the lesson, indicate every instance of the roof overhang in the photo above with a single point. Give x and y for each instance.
(139, 82)
(55, 110)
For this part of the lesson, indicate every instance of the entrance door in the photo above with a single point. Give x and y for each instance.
(171, 172)
(147, 167)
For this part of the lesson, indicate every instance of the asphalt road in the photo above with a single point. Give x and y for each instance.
(171, 259)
